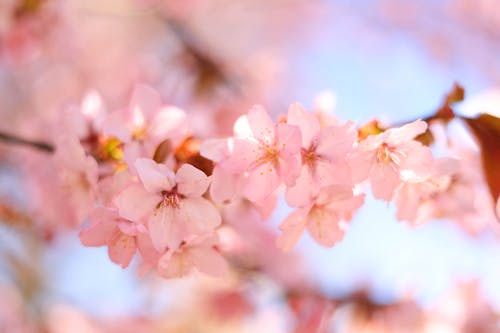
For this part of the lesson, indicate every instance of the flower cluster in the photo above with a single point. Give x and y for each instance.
(128, 171)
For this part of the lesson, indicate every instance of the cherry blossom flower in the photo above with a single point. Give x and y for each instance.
(265, 152)
(118, 234)
(381, 158)
(145, 124)
(322, 217)
(172, 203)
(196, 253)
(77, 174)
(415, 198)
(146, 117)
(324, 152)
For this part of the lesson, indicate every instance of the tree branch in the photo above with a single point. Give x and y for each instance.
(12, 139)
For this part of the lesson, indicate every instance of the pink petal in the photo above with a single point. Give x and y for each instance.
(243, 153)
(146, 248)
(224, 186)
(288, 139)
(176, 264)
(102, 228)
(115, 125)
(336, 142)
(130, 228)
(121, 248)
(360, 163)
(165, 228)
(326, 173)
(417, 157)
(146, 99)
(407, 203)
(191, 181)
(292, 227)
(261, 182)
(169, 123)
(131, 152)
(323, 226)
(215, 149)
(135, 203)
(70, 154)
(155, 177)
(261, 124)
(200, 215)
(336, 195)
(304, 190)
(404, 133)
(384, 180)
(446, 166)
(307, 122)
(207, 260)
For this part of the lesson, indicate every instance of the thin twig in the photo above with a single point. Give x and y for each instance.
(12, 139)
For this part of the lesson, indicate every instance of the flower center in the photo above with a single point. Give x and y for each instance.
(171, 198)
(384, 153)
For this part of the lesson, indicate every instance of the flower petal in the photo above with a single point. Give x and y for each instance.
(146, 99)
(191, 181)
(384, 180)
(200, 215)
(164, 228)
(337, 141)
(307, 122)
(121, 248)
(396, 136)
(169, 123)
(261, 124)
(293, 226)
(261, 182)
(102, 228)
(174, 264)
(323, 226)
(135, 203)
(207, 260)
(155, 177)
(304, 190)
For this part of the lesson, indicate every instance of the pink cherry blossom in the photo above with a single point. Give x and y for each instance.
(414, 199)
(381, 158)
(77, 174)
(322, 217)
(118, 234)
(146, 118)
(145, 124)
(172, 203)
(265, 153)
(324, 152)
(198, 253)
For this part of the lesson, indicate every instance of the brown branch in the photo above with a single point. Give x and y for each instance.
(12, 139)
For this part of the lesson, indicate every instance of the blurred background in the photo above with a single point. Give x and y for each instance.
(390, 60)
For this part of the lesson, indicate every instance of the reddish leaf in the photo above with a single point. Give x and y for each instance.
(426, 138)
(486, 129)
(189, 152)
(162, 151)
(457, 94)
